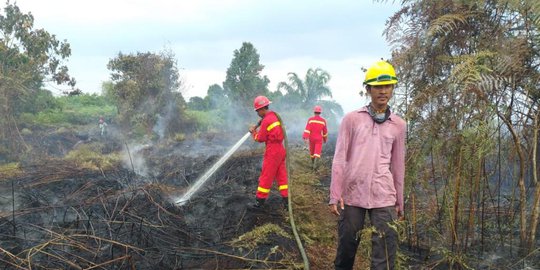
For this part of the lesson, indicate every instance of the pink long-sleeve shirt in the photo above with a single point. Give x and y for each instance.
(368, 169)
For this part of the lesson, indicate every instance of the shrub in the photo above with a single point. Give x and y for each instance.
(210, 121)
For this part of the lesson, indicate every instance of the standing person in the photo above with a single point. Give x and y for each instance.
(368, 173)
(315, 134)
(102, 125)
(271, 133)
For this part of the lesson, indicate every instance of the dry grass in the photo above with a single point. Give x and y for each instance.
(90, 156)
(259, 235)
(316, 225)
(10, 170)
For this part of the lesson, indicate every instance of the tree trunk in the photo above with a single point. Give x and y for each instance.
(521, 182)
(472, 205)
(456, 203)
(535, 211)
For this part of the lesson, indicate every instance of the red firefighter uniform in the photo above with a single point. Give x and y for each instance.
(317, 133)
(273, 167)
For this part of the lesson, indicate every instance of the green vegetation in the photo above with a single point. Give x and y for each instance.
(244, 81)
(73, 110)
(207, 121)
(144, 88)
(28, 57)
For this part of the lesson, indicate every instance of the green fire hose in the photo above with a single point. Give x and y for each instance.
(291, 217)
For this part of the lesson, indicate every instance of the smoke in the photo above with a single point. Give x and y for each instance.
(133, 158)
(160, 126)
(163, 119)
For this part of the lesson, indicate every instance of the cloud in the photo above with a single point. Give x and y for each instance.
(196, 82)
(290, 36)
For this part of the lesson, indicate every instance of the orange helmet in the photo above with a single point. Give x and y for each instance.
(317, 109)
(261, 102)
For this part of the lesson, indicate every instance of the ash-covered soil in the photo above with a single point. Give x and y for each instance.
(63, 216)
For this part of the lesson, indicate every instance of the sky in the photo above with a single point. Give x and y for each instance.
(340, 37)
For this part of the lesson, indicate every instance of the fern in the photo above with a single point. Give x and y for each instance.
(447, 23)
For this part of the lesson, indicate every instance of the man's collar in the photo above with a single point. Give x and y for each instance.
(365, 109)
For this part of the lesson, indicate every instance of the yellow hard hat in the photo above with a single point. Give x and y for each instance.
(381, 73)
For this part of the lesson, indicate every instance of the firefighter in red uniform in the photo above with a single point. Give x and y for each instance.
(317, 134)
(270, 132)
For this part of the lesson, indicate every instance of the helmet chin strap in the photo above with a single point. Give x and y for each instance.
(379, 118)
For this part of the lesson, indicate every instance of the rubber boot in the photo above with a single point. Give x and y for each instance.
(285, 203)
(259, 203)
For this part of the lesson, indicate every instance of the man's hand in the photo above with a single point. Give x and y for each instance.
(334, 207)
(400, 215)
(252, 128)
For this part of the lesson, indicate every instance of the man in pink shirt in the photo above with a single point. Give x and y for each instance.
(368, 172)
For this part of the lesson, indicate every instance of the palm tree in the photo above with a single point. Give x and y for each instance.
(309, 91)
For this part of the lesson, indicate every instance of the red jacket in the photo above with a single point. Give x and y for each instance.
(316, 129)
(270, 130)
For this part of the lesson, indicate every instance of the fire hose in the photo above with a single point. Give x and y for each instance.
(291, 216)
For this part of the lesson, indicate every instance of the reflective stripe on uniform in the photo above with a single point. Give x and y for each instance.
(256, 136)
(325, 135)
(263, 190)
(317, 122)
(316, 155)
(307, 131)
(282, 187)
(273, 125)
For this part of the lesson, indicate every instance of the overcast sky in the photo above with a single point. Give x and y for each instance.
(340, 37)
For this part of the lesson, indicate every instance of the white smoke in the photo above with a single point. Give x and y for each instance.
(163, 119)
(160, 126)
(133, 158)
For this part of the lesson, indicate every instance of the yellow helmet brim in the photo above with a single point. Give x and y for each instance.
(382, 82)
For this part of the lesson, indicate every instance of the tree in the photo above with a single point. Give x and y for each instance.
(145, 89)
(244, 81)
(470, 70)
(310, 92)
(197, 104)
(216, 97)
(28, 58)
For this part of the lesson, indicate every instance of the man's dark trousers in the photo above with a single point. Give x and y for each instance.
(384, 241)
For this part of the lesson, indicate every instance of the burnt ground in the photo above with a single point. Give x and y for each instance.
(68, 217)
(64, 215)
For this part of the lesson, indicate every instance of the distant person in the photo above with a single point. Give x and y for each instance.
(315, 134)
(102, 126)
(271, 133)
(368, 173)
